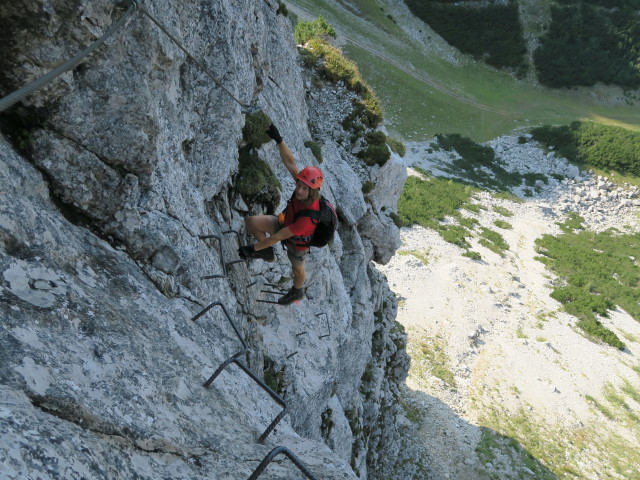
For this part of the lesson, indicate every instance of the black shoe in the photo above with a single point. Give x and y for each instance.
(266, 254)
(293, 295)
(249, 253)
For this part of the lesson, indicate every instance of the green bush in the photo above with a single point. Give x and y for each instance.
(367, 187)
(602, 146)
(396, 146)
(396, 219)
(256, 180)
(317, 28)
(282, 9)
(503, 224)
(427, 203)
(375, 154)
(375, 138)
(315, 149)
(493, 241)
(472, 255)
(253, 132)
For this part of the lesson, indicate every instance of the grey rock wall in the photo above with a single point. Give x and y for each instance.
(108, 176)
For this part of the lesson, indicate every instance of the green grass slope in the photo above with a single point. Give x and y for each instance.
(423, 94)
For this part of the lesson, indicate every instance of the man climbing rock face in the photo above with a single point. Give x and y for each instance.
(294, 230)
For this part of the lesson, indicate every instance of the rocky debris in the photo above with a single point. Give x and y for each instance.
(561, 188)
(133, 157)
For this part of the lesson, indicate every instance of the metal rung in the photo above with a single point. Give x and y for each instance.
(328, 327)
(272, 454)
(261, 384)
(236, 359)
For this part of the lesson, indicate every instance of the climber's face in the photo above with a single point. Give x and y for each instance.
(302, 191)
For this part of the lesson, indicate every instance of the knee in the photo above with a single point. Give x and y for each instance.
(249, 223)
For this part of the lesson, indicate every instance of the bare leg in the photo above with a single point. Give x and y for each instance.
(260, 225)
(299, 274)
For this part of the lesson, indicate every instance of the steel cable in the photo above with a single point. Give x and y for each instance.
(28, 89)
(245, 108)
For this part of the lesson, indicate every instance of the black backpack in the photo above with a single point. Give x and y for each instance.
(326, 221)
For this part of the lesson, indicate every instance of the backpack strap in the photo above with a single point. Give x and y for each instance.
(312, 214)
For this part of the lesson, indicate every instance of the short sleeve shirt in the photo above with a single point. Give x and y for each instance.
(303, 227)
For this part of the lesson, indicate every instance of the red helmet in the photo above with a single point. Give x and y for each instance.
(311, 176)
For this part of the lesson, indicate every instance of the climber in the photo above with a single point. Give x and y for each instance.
(294, 233)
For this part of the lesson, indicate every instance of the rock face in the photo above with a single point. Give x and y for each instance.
(108, 177)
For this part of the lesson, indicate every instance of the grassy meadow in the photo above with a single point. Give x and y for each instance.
(423, 94)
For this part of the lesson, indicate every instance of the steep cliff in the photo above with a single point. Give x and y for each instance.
(109, 176)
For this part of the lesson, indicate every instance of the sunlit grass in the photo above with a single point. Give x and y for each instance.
(423, 94)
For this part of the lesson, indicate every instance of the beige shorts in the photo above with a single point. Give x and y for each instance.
(296, 257)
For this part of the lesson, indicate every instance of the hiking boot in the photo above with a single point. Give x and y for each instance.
(248, 253)
(266, 254)
(293, 295)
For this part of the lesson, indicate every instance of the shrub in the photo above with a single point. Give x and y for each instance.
(367, 187)
(315, 149)
(317, 28)
(472, 255)
(503, 224)
(253, 132)
(396, 146)
(282, 9)
(375, 138)
(256, 180)
(375, 155)
(493, 241)
(396, 219)
(603, 146)
(427, 203)
(468, 149)
(505, 212)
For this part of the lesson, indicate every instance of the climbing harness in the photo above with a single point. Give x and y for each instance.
(134, 5)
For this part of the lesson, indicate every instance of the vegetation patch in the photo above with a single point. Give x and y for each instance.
(478, 165)
(315, 149)
(318, 28)
(493, 241)
(420, 255)
(590, 41)
(375, 152)
(491, 32)
(503, 224)
(472, 255)
(596, 272)
(430, 359)
(591, 144)
(335, 67)
(254, 130)
(367, 187)
(396, 146)
(505, 212)
(433, 201)
(256, 181)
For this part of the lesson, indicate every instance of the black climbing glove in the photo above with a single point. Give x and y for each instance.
(247, 251)
(273, 132)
